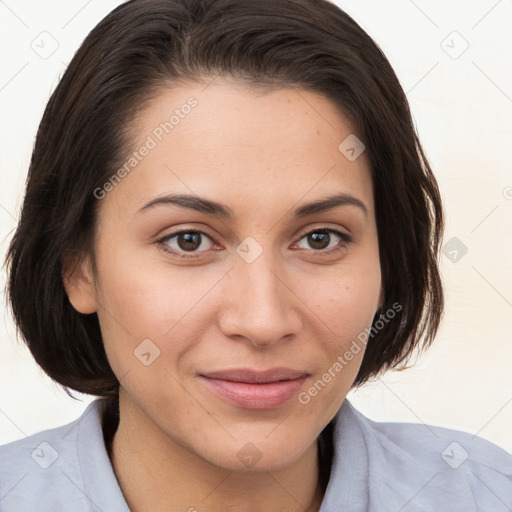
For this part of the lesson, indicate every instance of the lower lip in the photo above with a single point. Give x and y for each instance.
(255, 396)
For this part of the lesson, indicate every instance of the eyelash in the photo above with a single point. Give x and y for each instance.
(345, 240)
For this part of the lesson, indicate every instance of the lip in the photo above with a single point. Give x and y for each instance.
(254, 389)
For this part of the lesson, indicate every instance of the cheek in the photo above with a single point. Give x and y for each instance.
(342, 309)
(347, 301)
(140, 301)
(342, 316)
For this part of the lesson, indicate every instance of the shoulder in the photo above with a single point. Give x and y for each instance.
(46, 464)
(435, 468)
(441, 446)
(46, 471)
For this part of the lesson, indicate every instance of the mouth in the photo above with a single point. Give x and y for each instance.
(252, 389)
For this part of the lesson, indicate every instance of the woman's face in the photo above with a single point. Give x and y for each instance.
(219, 334)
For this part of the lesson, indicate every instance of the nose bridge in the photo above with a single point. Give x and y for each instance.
(261, 306)
(263, 286)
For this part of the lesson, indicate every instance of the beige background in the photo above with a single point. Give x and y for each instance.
(462, 105)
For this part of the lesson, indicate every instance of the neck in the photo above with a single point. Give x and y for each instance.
(155, 473)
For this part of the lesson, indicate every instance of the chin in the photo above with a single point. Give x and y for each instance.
(258, 454)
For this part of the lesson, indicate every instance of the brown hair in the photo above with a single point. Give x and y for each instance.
(144, 45)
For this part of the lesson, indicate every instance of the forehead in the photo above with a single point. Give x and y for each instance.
(241, 144)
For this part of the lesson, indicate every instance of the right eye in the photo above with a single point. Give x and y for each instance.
(186, 241)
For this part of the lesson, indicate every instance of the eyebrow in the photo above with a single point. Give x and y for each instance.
(203, 205)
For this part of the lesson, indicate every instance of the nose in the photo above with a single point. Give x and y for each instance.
(259, 304)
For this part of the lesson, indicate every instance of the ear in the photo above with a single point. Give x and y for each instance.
(78, 280)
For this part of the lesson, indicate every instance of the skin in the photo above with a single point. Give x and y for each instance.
(263, 155)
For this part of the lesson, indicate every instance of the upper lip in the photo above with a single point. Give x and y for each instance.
(251, 376)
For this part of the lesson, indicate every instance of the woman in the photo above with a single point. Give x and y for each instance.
(229, 223)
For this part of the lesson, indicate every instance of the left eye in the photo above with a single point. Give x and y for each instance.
(321, 239)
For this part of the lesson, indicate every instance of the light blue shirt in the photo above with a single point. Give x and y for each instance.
(377, 467)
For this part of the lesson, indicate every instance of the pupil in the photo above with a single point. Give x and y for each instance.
(319, 240)
(191, 241)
